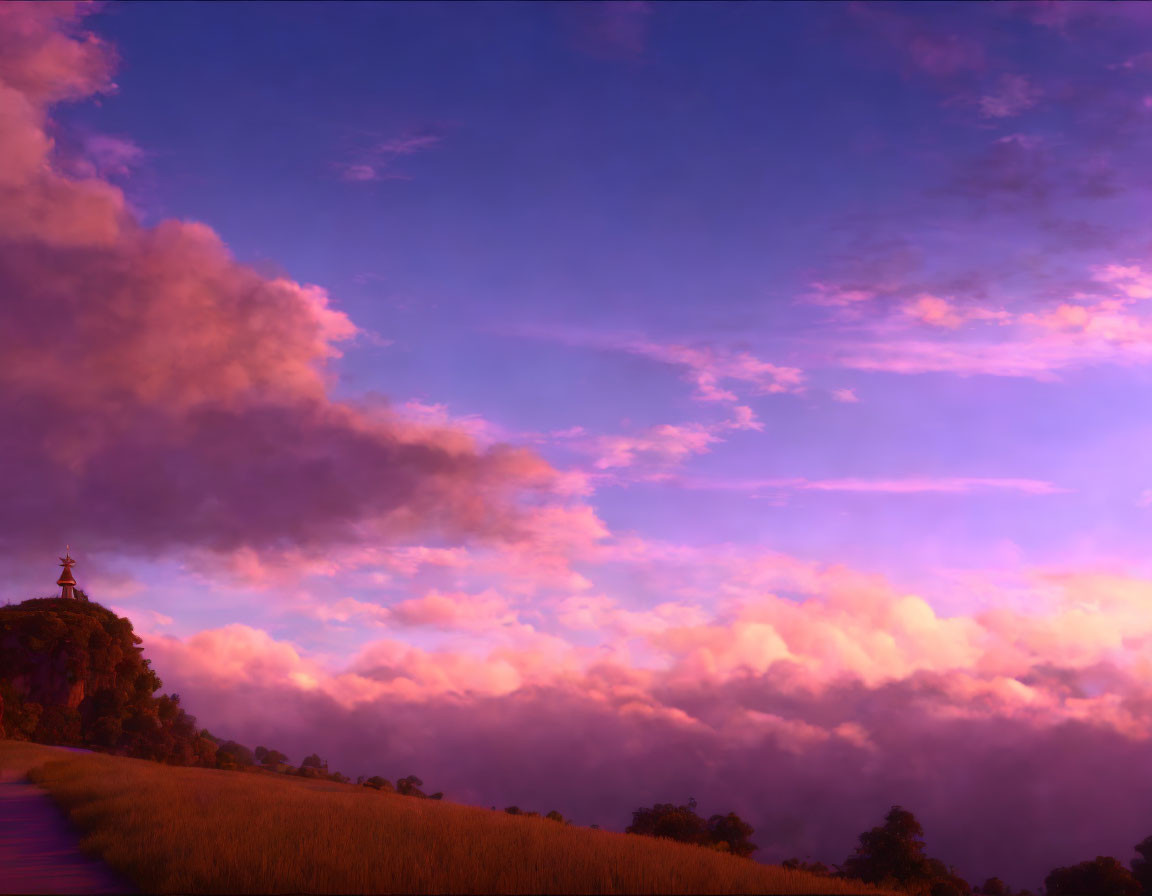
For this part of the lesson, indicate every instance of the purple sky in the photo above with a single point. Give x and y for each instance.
(585, 405)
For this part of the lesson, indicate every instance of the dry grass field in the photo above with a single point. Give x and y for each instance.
(193, 830)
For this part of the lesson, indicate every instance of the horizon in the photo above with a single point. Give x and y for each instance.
(591, 405)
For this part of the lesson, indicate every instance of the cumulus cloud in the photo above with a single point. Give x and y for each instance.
(809, 714)
(157, 393)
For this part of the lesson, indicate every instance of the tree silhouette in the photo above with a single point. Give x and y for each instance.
(1103, 876)
(378, 783)
(410, 786)
(732, 831)
(670, 822)
(1142, 865)
(893, 851)
(233, 755)
(893, 854)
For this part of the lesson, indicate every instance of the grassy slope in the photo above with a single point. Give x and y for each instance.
(193, 830)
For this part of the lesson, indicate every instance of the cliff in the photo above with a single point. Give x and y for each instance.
(72, 673)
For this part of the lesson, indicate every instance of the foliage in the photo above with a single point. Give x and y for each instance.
(378, 783)
(233, 755)
(313, 761)
(1142, 865)
(1103, 876)
(732, 831)
(892, 854)
(410, 786)
(72, 673)
(728, 833)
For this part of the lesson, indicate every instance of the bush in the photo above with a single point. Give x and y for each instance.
(1103, 876)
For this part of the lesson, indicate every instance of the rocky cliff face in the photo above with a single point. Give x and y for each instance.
(71, 672)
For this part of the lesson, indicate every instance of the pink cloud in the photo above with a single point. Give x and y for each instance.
(195, 390)
(476, 612)
(912, 485)
(377, 162)
(1014, 95)
(714, 370)
(847, 396)
(839, 295)
(789, 698)
(708, 366)
(934, 311)
(663, 444)
(925, 50)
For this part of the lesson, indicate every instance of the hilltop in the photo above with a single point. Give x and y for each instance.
(72, 673)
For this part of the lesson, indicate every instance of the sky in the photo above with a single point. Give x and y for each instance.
(588, 405)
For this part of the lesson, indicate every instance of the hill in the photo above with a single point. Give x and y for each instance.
(197, 830)
(71, 672)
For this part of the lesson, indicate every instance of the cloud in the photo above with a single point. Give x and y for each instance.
(1107, 323)
(922, 47)
(158, 394)
(908, 485)
(1014, 95)
(616, 30)
(663, 444)
(710, 368)
(1026, 171)
(377, 162)
(847, 396)
(809, 715)
(915, 485)
(476, 612)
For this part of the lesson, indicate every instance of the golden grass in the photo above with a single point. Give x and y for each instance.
(193, 830)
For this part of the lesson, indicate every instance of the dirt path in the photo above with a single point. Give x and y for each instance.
(39, 849)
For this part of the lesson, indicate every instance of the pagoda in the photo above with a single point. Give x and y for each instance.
(67, 581)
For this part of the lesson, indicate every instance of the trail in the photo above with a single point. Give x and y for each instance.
(40, 850)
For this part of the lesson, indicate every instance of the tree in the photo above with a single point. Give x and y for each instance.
(1103, 876)
(670, 822)
(313, 761)
(271, 758)
(1142, 865)
(893, 854)
(733, 831)
(378, 783)
(233, 755)
(410, 786)
(994, 887)
(556, 816)
(893, 851)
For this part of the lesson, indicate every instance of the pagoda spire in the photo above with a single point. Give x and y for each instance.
(67, 581)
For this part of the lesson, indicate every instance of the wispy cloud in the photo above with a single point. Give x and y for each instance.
(1014, 95)
(906, 485)
(608, 30)
(378, 162)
